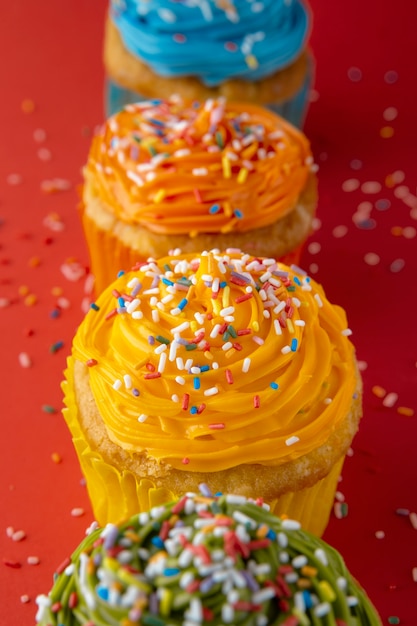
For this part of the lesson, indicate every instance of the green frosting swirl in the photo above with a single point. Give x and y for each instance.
(217, 560)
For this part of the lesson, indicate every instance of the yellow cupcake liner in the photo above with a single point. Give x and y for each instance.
(117, 494)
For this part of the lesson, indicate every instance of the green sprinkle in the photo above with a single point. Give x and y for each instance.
(152, 620)
(191, 346)
(47, 408)
(219, 140)
(232, 331)
(162, 339)
(56, 346)
(152, 150)
(291, 288)
(393, 619)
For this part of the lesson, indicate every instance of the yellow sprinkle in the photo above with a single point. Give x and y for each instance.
(386, 132)
(159, 196)
(255, 325)
(193, 233)
(30, 300)
(165, 602)
(327, 592)
(226, 296)
(203, 499)
(23, 290)
(217, 307)
(193, 326)
(248, 152)
(208, 355)
(243, 174)
(251, 61)
(130, 579)
(229, 353)
(290, 326)
(309, 571)
(378, 391)
(303, 620)
(227, 170)
(91, 567)
(111, 564)
(405, 410)
(130, 534)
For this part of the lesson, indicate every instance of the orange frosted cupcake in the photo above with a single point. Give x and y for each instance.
(174, 174)
(225, 369)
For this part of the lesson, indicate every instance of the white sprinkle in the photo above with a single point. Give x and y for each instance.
(235, 499)
(33, 560)
(322, 609)
(291, 440)
(277, 327)
(180, 380)
(267, 593)
(299, 561)
(18, 535)
(314, 247)
(188, 364)
(24, 599)
(318, 300)
(155, 316)
(180, 327)
(173, 350)
(179, 363)
(246, 364)
(299, 323)
(285, 349)
(380, 534)
(135, 178)
(290, 524)
(227, 311)
(352, 600)
(142, 417)
(127, 381)
(371, 258)
(77, 512)
(390, 399)
(175, 398)
(200, 171)
(117, 384)
(346, 332)
(413, 519)
(389, 114)
(226, 346)
(371, 186)
(350, 185)
(211, 391)
(320, 554)
(176, 311)
(161, 348)
(162, 362)
(25, 360)
(414, 574)
(339, 231)
(228, 614)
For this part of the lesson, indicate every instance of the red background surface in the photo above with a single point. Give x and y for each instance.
(51, 59)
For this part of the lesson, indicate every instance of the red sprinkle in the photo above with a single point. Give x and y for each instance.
(111, 314)
(57, 606)
(185, 461)
(237, 346)
(193, 586)
(217, 426)
(256, 402)
(229, 376)
(63, 565)
(197, 196)
(243, 298)
(73, 600)
(244, 331)
(150, 367)
(10, 563)
(91, 362)
(185, 401)
(201, 408)
(179, 506)
(152, 375)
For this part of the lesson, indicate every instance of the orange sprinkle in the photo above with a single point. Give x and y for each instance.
(23, 290)
(406, 411)
(30, 300)
(304, 583)
(386, 132)
(57, 291)
(309, 571)
(397, 231)
(34, 261)
(56, 457)
(28, 106)
(378, 391)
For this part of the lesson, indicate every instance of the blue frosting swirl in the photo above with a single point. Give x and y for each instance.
(215, 40)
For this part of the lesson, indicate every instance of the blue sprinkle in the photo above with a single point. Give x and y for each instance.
(194, 410)
(204, 368)
(274, 385)
(120, 273)
(94, 306)
(166, 281)
(215, 208)
(297, 281)
(183, 304)
(151, 340)
(294, 344)
(103, 593)
(238, 213)
(136, 392)
(171, 571)
(157, 542)
(308, 601)
(196, 383)
(223, 284)
(271, 534)
(156, 122)
(121, 301)
(55, 313)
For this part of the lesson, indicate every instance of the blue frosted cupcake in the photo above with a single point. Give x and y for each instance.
(243, 50)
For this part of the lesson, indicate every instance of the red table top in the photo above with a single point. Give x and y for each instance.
(363, 133)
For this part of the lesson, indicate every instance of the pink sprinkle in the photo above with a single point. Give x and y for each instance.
(217, 426)
(19, 535)
(9, 531)
(185, 461)
(201, 408)
(229, 376)
(371, 258)
(380, 534)
(314, 247)
(414, 574)
(77, 512)
(390, 399)
(179, 38)
(4, 302)
(197, 196)
(14, 179)
(409, 232)
(339, 231)
(350, 185)
(24, 599)
(401, 192)
(413, 519)
(33, 560)
(354, 74)
(371, 186)
(39, 135)
(230, 46)
(25, 360)
(390, 114)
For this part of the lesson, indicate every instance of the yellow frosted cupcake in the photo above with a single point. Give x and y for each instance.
(219, 368)
(177, 174)
(206, 560)
(247, 51)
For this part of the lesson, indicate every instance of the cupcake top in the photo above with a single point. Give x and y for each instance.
(173, 166)
(204, 559)
(235, 358)
(214, 40)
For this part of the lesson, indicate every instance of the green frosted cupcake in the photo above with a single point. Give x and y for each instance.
(205, 559)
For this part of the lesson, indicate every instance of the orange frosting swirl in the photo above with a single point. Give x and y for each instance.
(180, 167)
(213, 361)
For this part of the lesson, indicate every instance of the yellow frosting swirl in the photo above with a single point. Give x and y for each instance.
(206, 362)
(179, 167)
